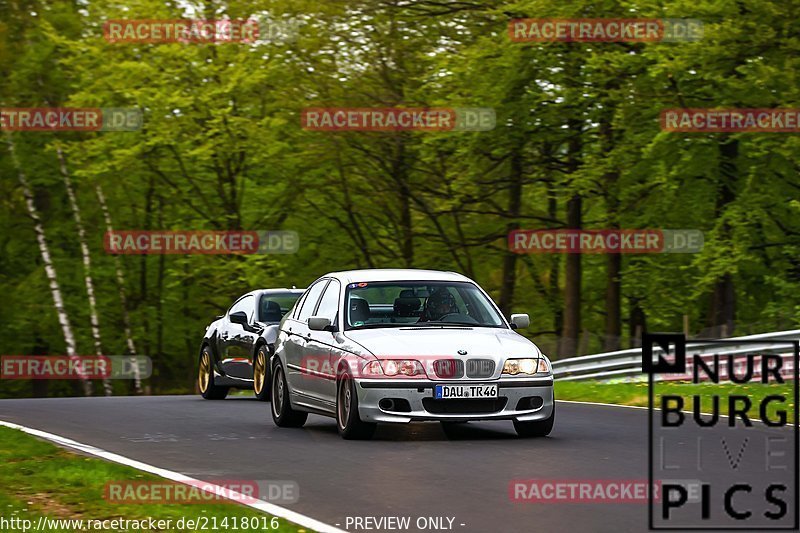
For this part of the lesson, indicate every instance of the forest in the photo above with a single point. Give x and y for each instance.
(577, 143)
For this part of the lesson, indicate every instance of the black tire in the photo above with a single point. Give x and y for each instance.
(261, 381)
(349, 424)
(205, 378)
(538, 428)
(282, 413)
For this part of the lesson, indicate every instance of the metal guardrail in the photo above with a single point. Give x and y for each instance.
(627, 364)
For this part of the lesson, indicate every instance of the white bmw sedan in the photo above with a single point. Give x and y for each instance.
(395, 346)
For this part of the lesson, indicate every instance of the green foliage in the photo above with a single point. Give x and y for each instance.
(222, 148)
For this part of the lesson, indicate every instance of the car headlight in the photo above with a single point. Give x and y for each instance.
(528, 366)
(394, 367)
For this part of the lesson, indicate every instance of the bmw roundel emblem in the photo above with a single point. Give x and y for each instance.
(462, 352)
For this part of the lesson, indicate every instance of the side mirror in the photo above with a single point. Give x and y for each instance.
(521, 320)
(239, 317)
(320, 323)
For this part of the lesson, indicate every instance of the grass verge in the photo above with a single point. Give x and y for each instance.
(636, 394)
(38, 479)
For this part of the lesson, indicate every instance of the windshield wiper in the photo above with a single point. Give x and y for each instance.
(443, 323)
(379, 325)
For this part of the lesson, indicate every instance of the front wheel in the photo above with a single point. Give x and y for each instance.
(350, 425)
(282, 413)
(537, 428)
(205, 378)
(261, 383)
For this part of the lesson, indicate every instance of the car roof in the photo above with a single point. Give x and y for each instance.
(395, 274)
(272, 291)
(294, 291)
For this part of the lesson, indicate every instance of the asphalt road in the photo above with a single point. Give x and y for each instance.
(414, 470)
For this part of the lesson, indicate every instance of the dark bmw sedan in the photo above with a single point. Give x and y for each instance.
(238, 344)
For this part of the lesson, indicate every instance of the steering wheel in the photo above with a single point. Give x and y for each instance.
(459, 317)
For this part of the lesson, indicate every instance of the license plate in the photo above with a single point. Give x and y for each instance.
(461, 392)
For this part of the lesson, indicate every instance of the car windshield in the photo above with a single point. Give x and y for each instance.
(419, 303)
(274, 305)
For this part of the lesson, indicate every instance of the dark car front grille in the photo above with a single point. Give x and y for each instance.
(448, 368)
(480, 368)
(464, 407)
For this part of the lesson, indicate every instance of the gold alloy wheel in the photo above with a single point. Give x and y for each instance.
(204, 375)
(259, 371)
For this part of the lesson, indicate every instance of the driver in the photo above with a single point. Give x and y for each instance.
(439, 304)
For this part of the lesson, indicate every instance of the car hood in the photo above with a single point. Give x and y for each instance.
(431, 341)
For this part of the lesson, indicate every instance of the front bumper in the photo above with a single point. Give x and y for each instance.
(422, 406)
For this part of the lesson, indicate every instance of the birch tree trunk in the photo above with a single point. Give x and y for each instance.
(87, 265)
(49, 268)
(123, 298)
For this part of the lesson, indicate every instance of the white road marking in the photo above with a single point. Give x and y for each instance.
(272, 509)
(605, 404)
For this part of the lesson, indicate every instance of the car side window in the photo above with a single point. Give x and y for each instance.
(311, 299)
(299, 305)
(329, 303)
(246, 304)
